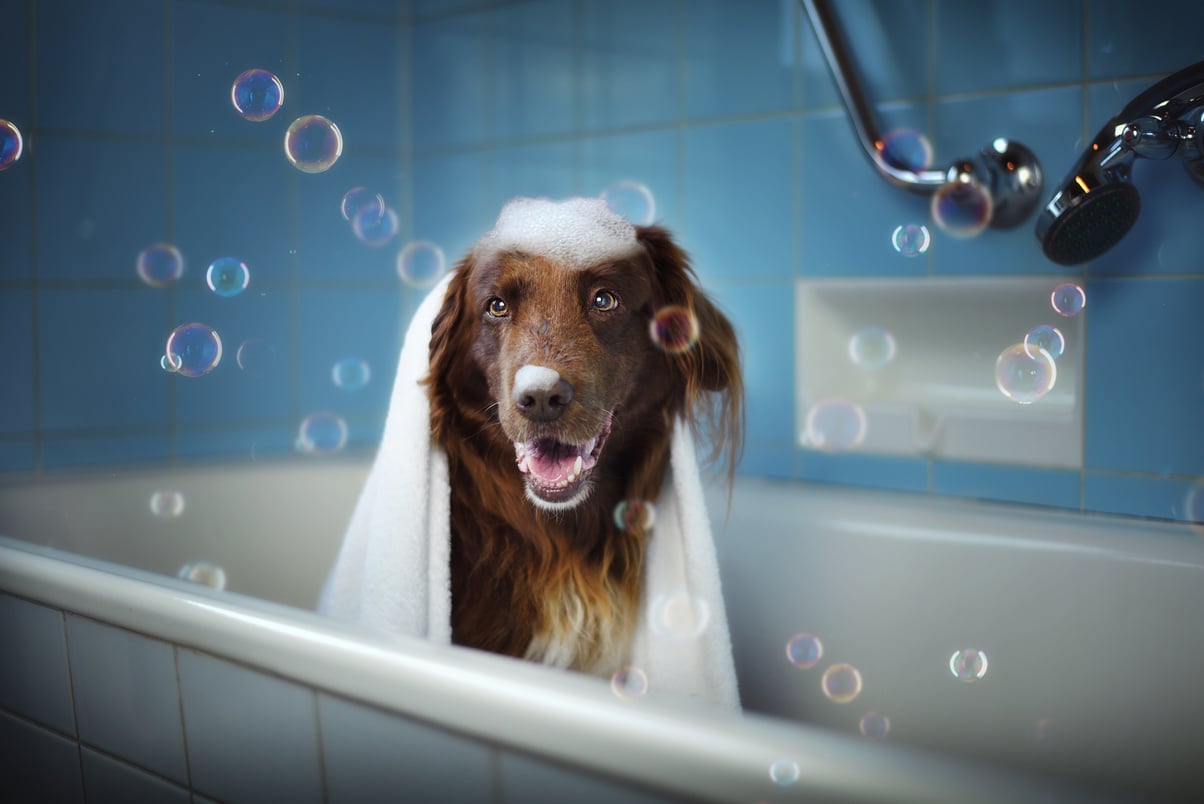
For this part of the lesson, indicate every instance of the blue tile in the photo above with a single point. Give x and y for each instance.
(104, 451)
(14, 64)
(1124, 39)
(1134, 495)
(1144, 388)
(630, 75)
(648, 158)
(867, 471)
(761, 460)
(453, 203)
(99, 204)
(39, 765)
(1023, 484)
(1004, 44)
(534, 88)
(101, 71)
(450, 80)
(739, 199)
(246, 443)
(16, 224)
(211, 46)
(108, 779)
(740, 58)
(18, 456)
(99, 351)
(548, 171)
(17, 390)
(890, 42)
(34, 679)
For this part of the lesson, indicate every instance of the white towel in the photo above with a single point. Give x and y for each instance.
(393, 570)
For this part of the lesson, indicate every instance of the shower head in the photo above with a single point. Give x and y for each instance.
(1097, 204)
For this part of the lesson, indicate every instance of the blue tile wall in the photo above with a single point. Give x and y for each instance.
(726, 112)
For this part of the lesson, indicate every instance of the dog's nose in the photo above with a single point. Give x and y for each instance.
(540, 393)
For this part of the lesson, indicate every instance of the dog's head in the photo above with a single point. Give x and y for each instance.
(568, 328)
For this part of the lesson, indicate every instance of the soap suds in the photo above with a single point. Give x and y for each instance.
(578, 232)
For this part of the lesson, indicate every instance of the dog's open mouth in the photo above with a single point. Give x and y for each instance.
(556, 472)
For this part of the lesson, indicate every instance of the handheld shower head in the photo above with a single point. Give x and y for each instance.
(1097, 204)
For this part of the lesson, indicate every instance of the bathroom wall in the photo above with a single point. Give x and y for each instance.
(725, 111)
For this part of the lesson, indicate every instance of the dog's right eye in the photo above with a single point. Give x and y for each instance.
(497, 308)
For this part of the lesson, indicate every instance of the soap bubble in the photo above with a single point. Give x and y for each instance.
(962, 207)
(872, 348)
(254, 356)
(375, 230)
(313, 144)
(227, 276)
(170, 363)
(361, 200)
(205, 573)
(1024, 373)
(834, 425)
(420, 264)
(674, 328)
(1045, 337)
(257, 95)
(968, 664)
(11, 144)
(635, 514)
(841, 683)
(911, 240)
(629, 683)
(783, 772)
(679, 615)
(1068, 299)
(160, 265)
(193, 349)
(632, 200)
(874, 725)
(167, 504)
(322, 433)
(351, 373)
(804, 650)
(907, 149)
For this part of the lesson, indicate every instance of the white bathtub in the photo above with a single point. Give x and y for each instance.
(1088, 623)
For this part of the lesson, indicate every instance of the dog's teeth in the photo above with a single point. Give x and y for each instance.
(576, 468)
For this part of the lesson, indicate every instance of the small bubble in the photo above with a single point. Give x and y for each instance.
(195, 348)
(375, 230)
(1024, 373)
(171, 363)
(804, 650)
(322, 433)
(911, 240)
(1045, 337)
(167, 504)
(11, 144)
(629, 683)
(205, 573)
(632, 200)
(160, 265)
(255, 356)
(962, 207)
(874, 725)
(420, 264)
(872, 348)
(907, 149)
(783, 772)
(227, 276)
(633, 514)
(841, 683)
(968, 664)
(1068, 299)
(674, 328)
(362, 201)
(679, 615)
(351, 373)
(834, 425)
(313, 144)
(257, 95)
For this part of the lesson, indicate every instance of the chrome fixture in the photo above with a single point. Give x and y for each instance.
(1006, 169)
(1097, 204)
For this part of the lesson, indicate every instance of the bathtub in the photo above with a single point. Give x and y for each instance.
(1004, 653)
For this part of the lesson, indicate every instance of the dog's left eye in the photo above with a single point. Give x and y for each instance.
(606, 301)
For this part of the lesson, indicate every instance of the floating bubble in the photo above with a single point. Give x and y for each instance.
(674, 328)
(313, 144)
(167, 504)
(322, 433)
(1068, 299)
(632, 200)
(254, 356)
(160, 265)
(968, 664)
(907, 149)
(171, 363)
(629, 683)
(874, 725)
(1024, 373)
(227, 276)
(841, 683)
(11, 144)
(420, 264)
(362, 201)
(373, 230)
(257, 95)
(872, 348)
(633, 514)
(351, 373)
(783, 772)
(804, 650)
(194, 348)
(962, 207)
(205, 573)
(679, 615)
(911, 240)
(1045, 337)
(834, 425)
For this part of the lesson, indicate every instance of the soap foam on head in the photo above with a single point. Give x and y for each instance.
(578, 232)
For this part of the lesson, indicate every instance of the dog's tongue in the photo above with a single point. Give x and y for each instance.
(551, 462)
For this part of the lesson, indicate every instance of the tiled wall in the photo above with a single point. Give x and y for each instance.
(726, 111)
(90, 711)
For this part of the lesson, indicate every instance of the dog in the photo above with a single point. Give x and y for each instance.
(554, 405)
